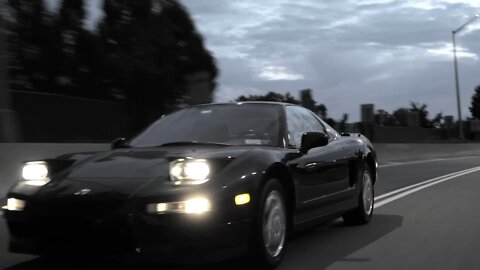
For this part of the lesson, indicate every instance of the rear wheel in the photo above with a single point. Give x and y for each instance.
(364, 212)
(270, 226)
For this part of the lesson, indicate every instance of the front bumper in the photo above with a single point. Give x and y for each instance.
(132, 237)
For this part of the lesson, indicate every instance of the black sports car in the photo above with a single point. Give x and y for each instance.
(203, 183)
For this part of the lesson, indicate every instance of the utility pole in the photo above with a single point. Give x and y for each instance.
(461, 135)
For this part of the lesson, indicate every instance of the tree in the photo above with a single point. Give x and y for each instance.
(475, 103)
(270, 96)
(70, 24)
(48, 52)
(322, 111)
(343, 123)
(290, 99)
(437, 121)
(29, 37)
(331, 122)
(384, 118)
(421, 109)
(150, 48)
(307, 100)
(401, 116)
(146, 52)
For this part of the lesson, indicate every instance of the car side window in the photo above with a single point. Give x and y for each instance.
(299, 121)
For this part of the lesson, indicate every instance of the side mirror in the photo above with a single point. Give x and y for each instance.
(313, 139)
(119, 143)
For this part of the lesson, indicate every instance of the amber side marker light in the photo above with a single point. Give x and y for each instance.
(242, 199)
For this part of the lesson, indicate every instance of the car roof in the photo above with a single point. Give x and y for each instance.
(249, 102)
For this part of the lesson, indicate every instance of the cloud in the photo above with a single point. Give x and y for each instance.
(387, 52)
(275, 73)
(444, 52)
(379, 77)
(228, 93)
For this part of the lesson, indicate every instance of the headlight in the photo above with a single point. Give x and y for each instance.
(197, 206)
(192, 206)
(194, 171)
(35, 173)
(15, 204)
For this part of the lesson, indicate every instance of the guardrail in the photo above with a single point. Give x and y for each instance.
(416, 151)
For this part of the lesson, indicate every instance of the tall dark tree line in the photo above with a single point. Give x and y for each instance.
(307, 101)
(151, 48)
(270, 96)
(31, 46)
(400, 117)
(475, 103)
(143, 52)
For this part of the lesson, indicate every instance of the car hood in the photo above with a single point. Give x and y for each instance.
(97, 183)
(128, 171)
(144, 162)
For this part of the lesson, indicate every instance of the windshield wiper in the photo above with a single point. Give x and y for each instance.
(193, 143)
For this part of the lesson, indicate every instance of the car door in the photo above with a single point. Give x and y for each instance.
(322, 173)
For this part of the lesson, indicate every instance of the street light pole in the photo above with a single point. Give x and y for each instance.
(457, 81)
(457, 88)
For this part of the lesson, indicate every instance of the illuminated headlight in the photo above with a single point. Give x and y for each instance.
(192, 206)
(197, 206)
(15, 204)
(195, 171)
(35, 173)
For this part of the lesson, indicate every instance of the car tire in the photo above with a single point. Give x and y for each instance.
(364, 211)
(270, 226)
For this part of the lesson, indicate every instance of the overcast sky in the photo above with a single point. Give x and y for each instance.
(349, 52)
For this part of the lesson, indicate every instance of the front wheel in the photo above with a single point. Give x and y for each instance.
(364, 212)
(270, 226)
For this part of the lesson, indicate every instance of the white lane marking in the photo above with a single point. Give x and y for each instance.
(419, 184)
(410, 191)
(392, 164)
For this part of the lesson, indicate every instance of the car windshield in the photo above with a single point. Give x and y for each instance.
(229, 124)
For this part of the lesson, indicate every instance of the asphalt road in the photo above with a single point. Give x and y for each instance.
(426, 217)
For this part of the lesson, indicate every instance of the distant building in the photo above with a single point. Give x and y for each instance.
(367, 113)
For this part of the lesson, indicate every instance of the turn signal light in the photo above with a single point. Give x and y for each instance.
(242, 199)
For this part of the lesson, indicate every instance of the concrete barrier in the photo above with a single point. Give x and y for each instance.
(411, 151)
(12, 154)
